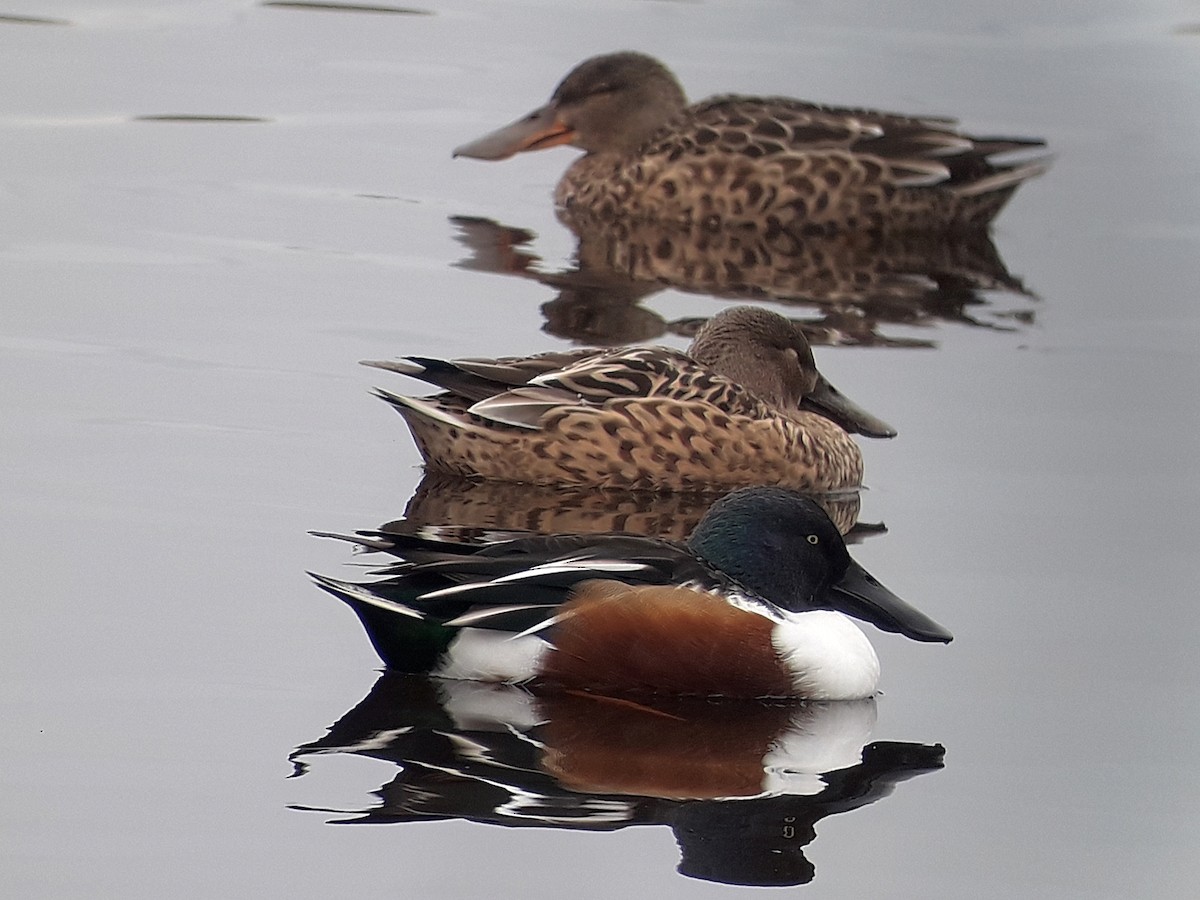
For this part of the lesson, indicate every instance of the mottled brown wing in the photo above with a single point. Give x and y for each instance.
(653, 372)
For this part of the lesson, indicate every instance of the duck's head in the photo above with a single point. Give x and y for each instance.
(770, 355)
(782, 546)
(611, 103)
(760, 350)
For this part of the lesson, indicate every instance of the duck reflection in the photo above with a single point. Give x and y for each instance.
(501, 507)
(857, 282)
(741, 784)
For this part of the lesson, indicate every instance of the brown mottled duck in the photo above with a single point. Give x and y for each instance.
(745, 406)
(771, 163)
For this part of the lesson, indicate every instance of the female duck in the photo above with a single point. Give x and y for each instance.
(747, 406)
(756, 604)
(772, 163)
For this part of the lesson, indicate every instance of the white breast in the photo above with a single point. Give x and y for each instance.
(827, 655)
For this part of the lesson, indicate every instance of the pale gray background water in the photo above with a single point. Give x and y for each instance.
(183, 306)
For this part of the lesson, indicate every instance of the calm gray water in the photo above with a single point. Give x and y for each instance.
(184, 305)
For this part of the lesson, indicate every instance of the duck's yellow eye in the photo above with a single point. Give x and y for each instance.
(813, 539)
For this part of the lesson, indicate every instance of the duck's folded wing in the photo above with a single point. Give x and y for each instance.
(478, 379)
(651, 372)
(916, 150)
(444, 581)
(523, 407)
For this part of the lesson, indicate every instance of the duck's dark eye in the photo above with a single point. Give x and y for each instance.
(813, 539)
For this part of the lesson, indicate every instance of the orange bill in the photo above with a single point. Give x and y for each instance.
(540, 129)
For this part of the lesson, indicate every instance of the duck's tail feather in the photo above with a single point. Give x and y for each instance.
(404, 637)
(448, 375)
(1004, 178)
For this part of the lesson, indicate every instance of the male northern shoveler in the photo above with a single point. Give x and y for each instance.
(747, 406)
(774, 163)
(756, 604)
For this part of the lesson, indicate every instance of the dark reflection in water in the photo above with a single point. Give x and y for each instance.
(857, 282)
(349, 7)
(8, 19)
(741, 784)
(492, 506)
(184, 117)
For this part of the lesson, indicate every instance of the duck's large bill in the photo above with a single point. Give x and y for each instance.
(862, 596)
(831, 403)
(540, 129)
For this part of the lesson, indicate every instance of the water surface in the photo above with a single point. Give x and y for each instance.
(214, 209)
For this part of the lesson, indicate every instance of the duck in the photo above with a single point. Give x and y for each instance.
(772, 163)
(746, 405)
(758, 603)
